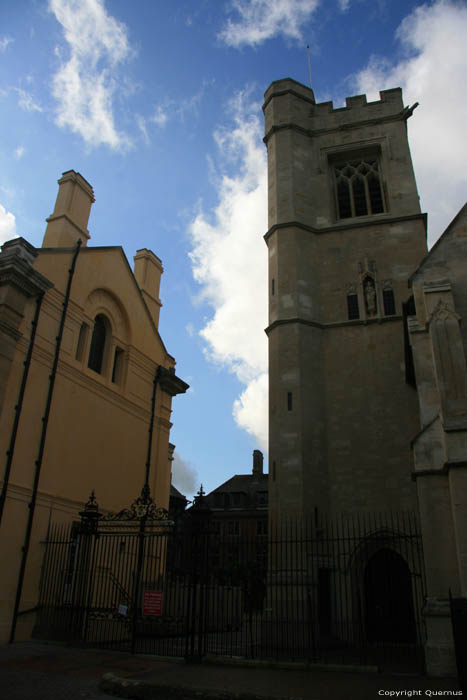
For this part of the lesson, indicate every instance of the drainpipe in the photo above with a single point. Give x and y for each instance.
(19, 405)
(38, 463)
(146, 489)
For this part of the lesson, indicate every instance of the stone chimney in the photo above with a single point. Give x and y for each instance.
(69, 220)
(148, 270)
(257, 463)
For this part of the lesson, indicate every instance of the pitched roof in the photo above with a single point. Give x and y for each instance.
(243, 483)
(175, 493)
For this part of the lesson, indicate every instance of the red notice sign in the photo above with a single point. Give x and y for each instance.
(152, 603)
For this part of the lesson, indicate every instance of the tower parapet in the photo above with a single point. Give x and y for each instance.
(306, 113)
(305, 140)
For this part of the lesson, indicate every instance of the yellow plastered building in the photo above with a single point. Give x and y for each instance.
(96, 415)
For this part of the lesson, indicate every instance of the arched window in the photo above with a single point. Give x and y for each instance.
(359, 190)
(96, 353)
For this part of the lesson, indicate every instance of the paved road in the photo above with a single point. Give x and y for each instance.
(40, 671)
(34, 685)
(36, 672)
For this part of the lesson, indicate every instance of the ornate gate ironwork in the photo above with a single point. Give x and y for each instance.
(102, 575)
(346, 589)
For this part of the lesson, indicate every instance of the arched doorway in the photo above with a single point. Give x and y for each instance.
(389, 609)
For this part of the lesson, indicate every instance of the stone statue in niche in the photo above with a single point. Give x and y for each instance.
(370, 296)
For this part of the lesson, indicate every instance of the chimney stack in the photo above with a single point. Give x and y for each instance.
(148, 270)
(69, 220)
(257, 463)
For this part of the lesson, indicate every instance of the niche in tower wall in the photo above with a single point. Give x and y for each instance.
(369, 292)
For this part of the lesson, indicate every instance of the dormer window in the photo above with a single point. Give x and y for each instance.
(358, 187)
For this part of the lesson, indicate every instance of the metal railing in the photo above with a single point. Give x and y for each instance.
(347, 589)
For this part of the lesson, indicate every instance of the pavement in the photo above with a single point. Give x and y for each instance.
(42, 671)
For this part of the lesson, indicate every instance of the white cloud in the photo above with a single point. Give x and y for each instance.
(184, 476)
(160, 116)
(4, 43)
(262, 19)
(86, 84)
(229, 261)
(7, 225)
(141, 122)
(249, 409)
(432, 73)
(19, 152)
(344, 5)
(173, 109)
(26, 101)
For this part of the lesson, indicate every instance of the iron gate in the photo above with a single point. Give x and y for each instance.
(340, 590)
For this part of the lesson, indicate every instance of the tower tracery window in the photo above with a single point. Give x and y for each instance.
(358, 187)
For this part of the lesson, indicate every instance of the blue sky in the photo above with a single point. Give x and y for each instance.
(158, 105)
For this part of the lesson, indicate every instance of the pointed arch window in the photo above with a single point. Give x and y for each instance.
(358, 187)
(98, 343)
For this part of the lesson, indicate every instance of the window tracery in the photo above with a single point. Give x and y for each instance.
(358, 186)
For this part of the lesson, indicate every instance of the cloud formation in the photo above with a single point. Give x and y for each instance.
(432, 73)
(86, 84)
(170, 109)
(27, 102)
(7, 225)
(260, 20)
(229, 261)
(5, 41)
(160, 116)
(228, 255)
(184, 476)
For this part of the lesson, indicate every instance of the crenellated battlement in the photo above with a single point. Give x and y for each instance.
(391, 98)
(289, 101)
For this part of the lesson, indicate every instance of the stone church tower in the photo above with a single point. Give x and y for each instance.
(345, 234)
